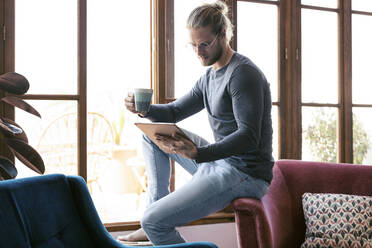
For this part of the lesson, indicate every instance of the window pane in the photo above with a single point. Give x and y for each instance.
(361, 5)
(187, 67)
(260, 42)
(319, 134)
(319, 56)
(118, 61)
(321, 3)
(46, 45)
(362, 51)
(54, 136)
(362, 135)
(274, 116)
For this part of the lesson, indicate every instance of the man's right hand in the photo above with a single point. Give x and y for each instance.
(130, 104)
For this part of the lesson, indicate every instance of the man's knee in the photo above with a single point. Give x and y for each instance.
(159, 229)
(150, 222)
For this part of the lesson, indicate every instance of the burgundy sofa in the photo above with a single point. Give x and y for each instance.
(277, 219)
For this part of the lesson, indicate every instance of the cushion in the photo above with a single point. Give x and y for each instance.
(337, 220)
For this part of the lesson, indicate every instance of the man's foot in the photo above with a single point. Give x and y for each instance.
(135, 236)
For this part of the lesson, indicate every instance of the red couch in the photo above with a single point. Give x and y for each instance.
(277, 220)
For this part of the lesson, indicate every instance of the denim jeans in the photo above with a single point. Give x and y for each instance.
(212, 187)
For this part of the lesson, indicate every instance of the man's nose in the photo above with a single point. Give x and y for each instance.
(198, 50)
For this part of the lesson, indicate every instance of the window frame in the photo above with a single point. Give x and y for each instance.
(80, 97)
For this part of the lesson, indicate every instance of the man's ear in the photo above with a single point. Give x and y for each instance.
(223, 33)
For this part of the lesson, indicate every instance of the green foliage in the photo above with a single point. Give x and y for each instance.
(360, 141)
(322, 134)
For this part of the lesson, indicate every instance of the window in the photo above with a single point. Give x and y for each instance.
(361, 5)
(260, 44)
(45, 52)
(117, 59)
(319, 83)
(82, 58)
(321, 3)
(335, 123)
(361, 78)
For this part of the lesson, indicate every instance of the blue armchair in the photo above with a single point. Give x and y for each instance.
(55, 211)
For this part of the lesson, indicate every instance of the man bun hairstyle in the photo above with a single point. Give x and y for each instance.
(214, 15)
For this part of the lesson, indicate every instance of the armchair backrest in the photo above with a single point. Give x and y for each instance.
(41, 212)
(292, 178)
(55, 211)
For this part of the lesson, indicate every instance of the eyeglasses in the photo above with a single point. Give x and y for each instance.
(204, 45)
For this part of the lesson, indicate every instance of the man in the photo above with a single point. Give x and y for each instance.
(237, 98)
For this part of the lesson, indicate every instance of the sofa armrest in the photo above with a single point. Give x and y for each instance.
(253, 229)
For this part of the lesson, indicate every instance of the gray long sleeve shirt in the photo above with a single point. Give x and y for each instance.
(239, 113)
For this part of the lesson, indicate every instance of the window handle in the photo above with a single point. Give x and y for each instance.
(296, 53)
(286, 53)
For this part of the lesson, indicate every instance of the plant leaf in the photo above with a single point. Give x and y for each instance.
(7, 169)
(19, 103)
(9, 129)
(6, 124)
(26, 154)
(14, 83)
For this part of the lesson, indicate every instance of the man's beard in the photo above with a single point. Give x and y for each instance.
(215, 58)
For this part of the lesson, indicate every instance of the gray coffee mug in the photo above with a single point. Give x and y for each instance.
(142, 99)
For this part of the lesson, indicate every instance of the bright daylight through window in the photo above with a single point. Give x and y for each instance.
(119, 59)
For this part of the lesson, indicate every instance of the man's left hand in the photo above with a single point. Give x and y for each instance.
(177, 144)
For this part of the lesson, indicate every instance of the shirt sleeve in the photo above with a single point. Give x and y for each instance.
(181, 108)
(247, 90)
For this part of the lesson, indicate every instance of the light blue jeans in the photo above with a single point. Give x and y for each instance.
(212, 187)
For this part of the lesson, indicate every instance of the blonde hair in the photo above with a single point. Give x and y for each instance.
(214, 15)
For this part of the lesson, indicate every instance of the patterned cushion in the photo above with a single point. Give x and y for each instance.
(337, 220)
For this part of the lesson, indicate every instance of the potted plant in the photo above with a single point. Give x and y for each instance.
(11, 133)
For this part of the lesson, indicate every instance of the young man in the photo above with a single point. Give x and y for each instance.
(237, 98)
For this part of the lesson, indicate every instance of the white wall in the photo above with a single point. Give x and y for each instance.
(223, 235)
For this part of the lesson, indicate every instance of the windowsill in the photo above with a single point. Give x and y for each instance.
(219, 217)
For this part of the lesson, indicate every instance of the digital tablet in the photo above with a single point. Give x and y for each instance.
(151, 129)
